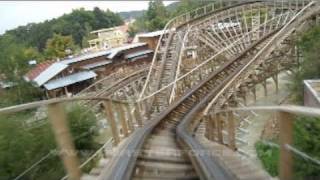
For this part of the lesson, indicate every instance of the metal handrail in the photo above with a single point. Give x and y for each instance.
(292, 109)
(27, 106)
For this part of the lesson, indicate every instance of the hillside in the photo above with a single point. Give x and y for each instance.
(78, 24)
(135, 14)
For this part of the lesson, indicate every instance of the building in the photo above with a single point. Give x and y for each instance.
(71, 75)
(312, 93)
(109, 37)
(150, 38)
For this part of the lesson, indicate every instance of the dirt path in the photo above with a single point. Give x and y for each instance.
(256, 122)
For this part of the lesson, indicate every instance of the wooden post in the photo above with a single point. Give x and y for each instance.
(57, 117)
(276, 81)
(146, 109)
(286, 161)
(137, 115)
(231, 131)
(219, 128)
(129, 117)
(213, 127)
(254, 91)
(245, 98)
(264, 83)
(123, 121)
(112, 122)
(208, 129)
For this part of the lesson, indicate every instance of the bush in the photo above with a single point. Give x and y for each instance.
(307, 140)
(269, 157)
(20, 148)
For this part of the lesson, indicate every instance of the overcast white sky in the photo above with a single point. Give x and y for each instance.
(14, 14)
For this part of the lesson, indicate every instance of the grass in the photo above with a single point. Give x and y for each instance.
(269, 157)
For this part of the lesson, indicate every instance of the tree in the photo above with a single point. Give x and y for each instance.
(58, 46)
(186, 6)
(75, 24)
(153, 19)
(309, 45)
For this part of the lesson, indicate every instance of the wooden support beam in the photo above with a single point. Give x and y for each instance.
(213, 127)
(245, 98)
(129, 117)
(58, 120)
(111, 121)
(264, 84)
(137, 115)
(286, 161)
(276, 81)
(231, 131)
(207, 127)
(146, 109)
(219, 128)
(254, 92)
(122, 118)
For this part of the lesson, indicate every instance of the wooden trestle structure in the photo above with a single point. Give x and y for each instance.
(176, 119)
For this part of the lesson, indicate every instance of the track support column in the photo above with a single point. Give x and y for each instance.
(112, 122)
(231, 131)
(286, 161)
(219, 128)
(123, 121)
(58, 120)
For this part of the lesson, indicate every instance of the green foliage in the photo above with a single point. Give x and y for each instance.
(154, 18)
(20, 147)
(188, 5)
(14, 56)
(157, 15)
(83, 123)
(309, 45)
(22, 92)
(57, 46)
(269, 157)
(307, 139)
(306, 129)
(77, 24)
(13, 65)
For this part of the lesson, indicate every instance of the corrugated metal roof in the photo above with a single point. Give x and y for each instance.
(68, 80)
(49, 73)
(85, 57)
(153, 34)
(97, 64)
(115, 51)
(110, 52)
(139, 53)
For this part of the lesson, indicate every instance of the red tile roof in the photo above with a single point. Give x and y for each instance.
(34, 72)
